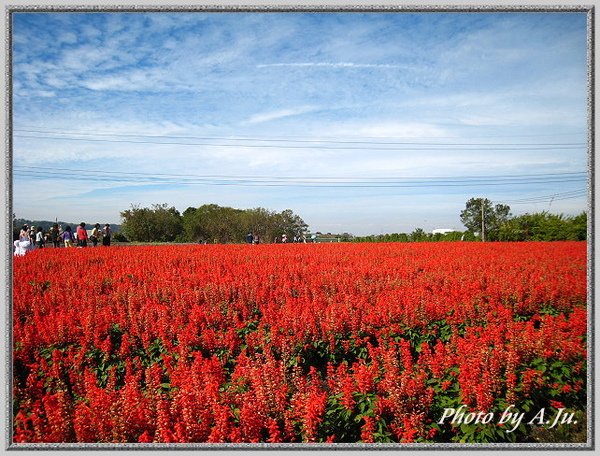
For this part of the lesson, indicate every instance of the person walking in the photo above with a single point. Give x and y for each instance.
(82, 236)
(67, 237)
(39, 238)
(32, 232)
(96, 234)
(106, 233)
(55, 235)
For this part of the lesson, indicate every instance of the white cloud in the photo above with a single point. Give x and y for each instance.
(68, 37)
(279, 114)
(388, 129)
(329, 65)
(43, 93)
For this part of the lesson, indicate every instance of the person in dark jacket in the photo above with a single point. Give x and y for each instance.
(106, 232)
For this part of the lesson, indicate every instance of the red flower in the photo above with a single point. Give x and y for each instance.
(219, 344)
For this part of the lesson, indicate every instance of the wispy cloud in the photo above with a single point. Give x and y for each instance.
(390, 129)
(279, 114)
(329, 65)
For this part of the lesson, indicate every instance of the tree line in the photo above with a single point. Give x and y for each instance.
(496, 223)
(213, 223)
(208, 223)
(543, 226)
(488, 222)
(417, 235)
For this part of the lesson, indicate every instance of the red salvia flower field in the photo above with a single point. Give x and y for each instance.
(295, 343)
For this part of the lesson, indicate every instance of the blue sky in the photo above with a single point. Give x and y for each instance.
(361, 123)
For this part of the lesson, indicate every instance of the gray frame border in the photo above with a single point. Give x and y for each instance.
(363, 8)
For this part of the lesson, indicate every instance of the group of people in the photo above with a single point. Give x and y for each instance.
(296, 239)
(252, 238)
(255, 239)
(31, 238)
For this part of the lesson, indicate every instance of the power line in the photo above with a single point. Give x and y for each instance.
(414, 183)
(287, 184)
(476, 177)
(548, 198)
(293, 137)
(308, 141)
(506, 147)
(572, 192)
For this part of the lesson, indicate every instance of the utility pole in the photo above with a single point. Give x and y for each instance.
(482, 221)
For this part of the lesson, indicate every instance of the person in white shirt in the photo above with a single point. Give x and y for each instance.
(39, 238)
(96, 234)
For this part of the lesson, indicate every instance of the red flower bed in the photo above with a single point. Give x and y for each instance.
(294, 343)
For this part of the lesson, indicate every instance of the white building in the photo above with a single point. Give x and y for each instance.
(443, 231)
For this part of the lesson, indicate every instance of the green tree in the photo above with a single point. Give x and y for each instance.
(577, 227)
(158, 223)
(418, 235)
(481, 216)
(137, 224)
(262, 222)
(346, 237)
(291, 224)
(168, 223)
(213, 223)
(193, 228)
(543, 226)
(208, 223)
